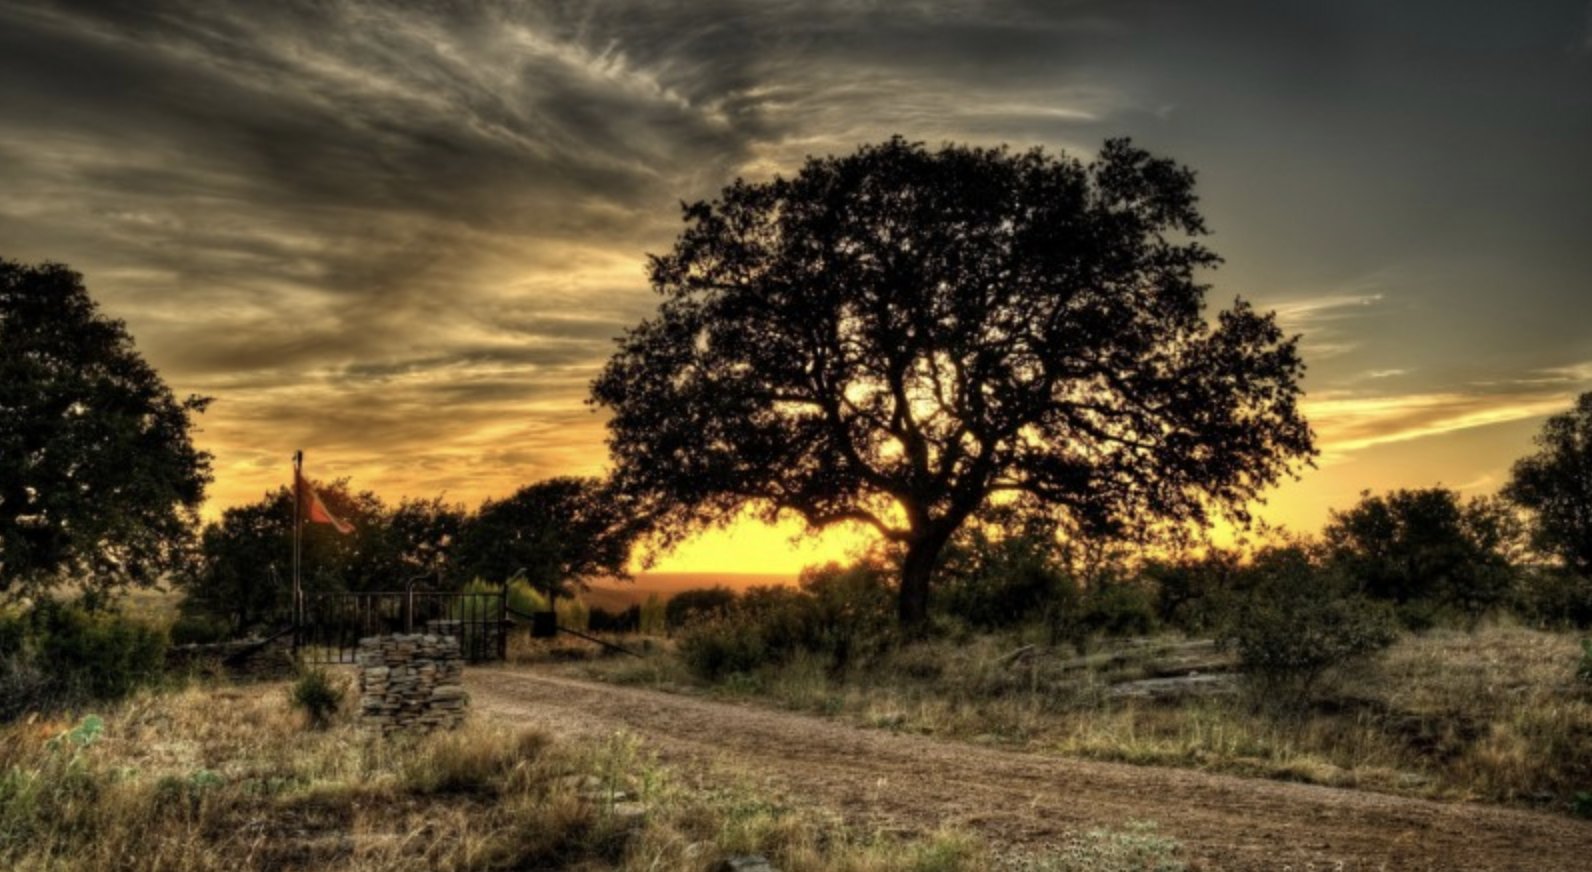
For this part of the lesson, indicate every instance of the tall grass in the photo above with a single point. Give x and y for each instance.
(220, 779)
(1495, 714)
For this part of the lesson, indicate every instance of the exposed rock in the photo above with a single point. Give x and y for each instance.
(745, 863)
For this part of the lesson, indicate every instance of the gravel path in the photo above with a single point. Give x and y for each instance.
(917, 783)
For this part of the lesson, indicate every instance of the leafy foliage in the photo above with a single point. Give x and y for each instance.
(839, 613)
(696, 603)
(554, 533)
(318, 695)
(1196, 593)
(1554, 597)
(99, 479)
(1425, 550)
(243, 570)
(891, 337)
(1555, 484)
(57, 655)
(1298, 620)
(1115, 608)
(993, 581)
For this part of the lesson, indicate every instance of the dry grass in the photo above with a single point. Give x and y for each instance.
(1494, 714)
(230, 779)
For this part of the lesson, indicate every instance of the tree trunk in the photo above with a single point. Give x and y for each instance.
(913, 603)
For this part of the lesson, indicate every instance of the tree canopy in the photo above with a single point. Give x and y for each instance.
(897, 337)
(1555, 484)
(1425, 548)
(553, 533)
(99, 478)
(244, 566)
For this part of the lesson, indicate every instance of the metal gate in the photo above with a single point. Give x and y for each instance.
(330, 625)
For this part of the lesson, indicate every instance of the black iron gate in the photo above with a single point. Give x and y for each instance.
(330, 625)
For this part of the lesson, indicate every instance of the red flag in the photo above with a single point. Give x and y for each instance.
(315, 511)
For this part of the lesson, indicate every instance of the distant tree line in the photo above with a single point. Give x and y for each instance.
(552, 535)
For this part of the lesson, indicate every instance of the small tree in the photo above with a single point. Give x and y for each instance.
(244, 560)
(1555, 485)
(558, 532)
(895, 337)
(99, 479)
(1425, 549)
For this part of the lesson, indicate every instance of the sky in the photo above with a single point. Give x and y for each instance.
(402, 236)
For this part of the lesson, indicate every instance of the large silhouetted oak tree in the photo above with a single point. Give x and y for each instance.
(99, 479)
(897, 337)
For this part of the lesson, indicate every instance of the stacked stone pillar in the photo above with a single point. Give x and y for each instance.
(410, 682)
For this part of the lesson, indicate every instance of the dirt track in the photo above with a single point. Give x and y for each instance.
(917, 783)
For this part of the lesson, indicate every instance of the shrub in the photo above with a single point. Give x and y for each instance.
(1554, 599)
(58, 655)
(1300, 620)
(1116, 608)
(997, 584)
(623, 621)
(687, 605)
(317, 695)
(850, 611)
(654, 617)
(1195, 594)
(199, 629)
(572, 613)
(839, 613)
(1583, 670)
(718, 647)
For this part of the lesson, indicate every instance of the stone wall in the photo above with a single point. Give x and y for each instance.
(410, 682)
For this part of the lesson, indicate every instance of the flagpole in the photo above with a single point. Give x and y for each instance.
(298, 526)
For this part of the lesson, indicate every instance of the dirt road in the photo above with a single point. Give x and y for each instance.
(1016, 798)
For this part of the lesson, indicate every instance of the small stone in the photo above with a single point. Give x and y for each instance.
(745, 863)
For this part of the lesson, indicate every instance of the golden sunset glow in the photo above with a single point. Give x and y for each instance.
(404, 240)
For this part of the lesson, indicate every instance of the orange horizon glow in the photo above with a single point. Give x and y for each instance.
(1377, 445)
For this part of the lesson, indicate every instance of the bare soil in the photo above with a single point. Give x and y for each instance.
(908, 783)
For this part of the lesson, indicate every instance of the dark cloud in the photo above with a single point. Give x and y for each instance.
(406, 233)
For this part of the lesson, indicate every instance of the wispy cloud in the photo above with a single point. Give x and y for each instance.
(1347, 422)
(405, 236)
(402, 235)
(1304, 313)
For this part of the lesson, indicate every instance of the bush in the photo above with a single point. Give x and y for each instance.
(1554, 599)
(1116, 608)
(317, 695)
(993, 585)
(1583, 670)
(623, 621)
(840, 614)
(702, 602)
(1195, 594)
(1299, 621)
(59, 655)
(653, 620)
(197, 629)
(718, 647)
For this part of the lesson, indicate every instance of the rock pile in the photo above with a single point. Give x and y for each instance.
(410, 682)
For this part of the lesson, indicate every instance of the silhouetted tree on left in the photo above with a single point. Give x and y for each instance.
(99, 478)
